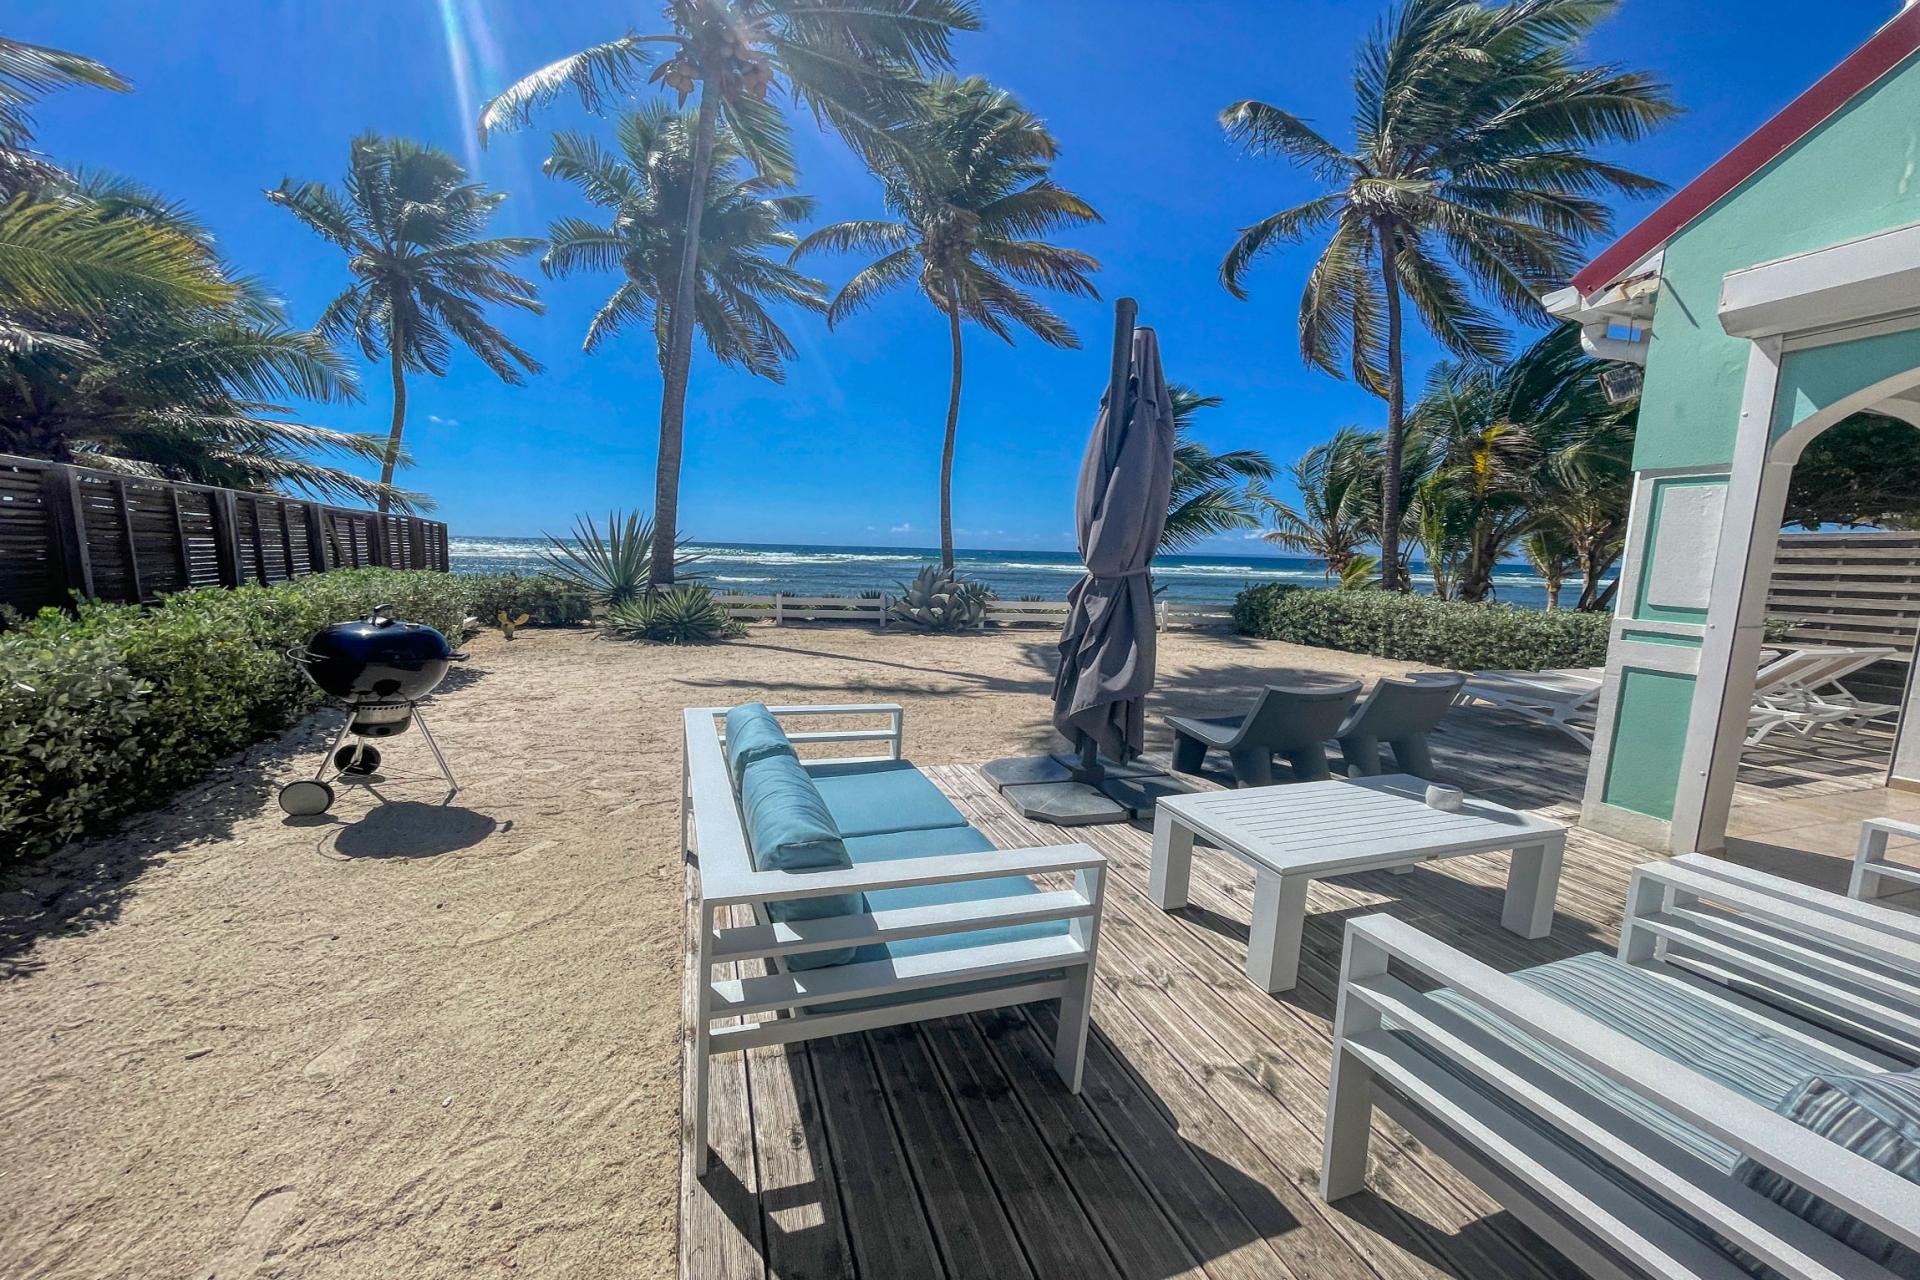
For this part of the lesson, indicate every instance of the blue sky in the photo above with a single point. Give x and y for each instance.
(234, 94)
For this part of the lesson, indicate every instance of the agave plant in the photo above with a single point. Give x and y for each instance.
(611, 567)
(682, 614)
(941, 600)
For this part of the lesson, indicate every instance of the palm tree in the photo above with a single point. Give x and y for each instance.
(1471, 175)
(1550, 551)
(1485, 457)
(1522, 443)
(1330, 522)
(644, 189)
(1213, 493)
(854, 63)
(28, 72)
(126, 343)
(966, 179)
(422, 281)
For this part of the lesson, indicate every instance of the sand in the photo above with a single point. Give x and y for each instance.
(430, 1041)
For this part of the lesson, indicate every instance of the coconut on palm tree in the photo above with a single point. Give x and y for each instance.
(643, 189)
(855, 64)
(966, 180)
(409, 222)
(1470, 184)
(1213, 493)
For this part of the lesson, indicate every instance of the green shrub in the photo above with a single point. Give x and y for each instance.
(105, 712)
(547, 601)
(1411, 628)
(684, 614)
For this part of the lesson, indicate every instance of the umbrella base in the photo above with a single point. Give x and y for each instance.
(1043, 789)
(1111, 768)
(1020, 771)
(1066, 804)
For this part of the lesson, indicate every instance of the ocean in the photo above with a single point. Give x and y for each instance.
(764, 568)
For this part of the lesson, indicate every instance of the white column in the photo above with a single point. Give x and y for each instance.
(1736, 614)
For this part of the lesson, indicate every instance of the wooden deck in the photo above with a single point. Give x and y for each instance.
(952, 1149)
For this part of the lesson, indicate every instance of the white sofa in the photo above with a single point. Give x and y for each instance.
(943, 923)
(1624, 1105)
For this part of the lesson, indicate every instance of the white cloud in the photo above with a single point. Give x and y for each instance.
(901, 528)
(437, 420)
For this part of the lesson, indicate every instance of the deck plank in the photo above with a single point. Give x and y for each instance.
(953, 1148)
(799, 1189)
(887, 1231)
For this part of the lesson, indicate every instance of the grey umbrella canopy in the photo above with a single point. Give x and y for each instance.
(1107, 649)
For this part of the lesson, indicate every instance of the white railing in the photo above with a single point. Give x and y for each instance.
(781, 608)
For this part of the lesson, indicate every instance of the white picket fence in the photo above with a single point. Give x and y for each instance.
(780, 609)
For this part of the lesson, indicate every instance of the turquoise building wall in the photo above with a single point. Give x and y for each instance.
(1855, 174)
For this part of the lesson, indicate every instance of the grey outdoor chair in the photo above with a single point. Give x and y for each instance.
(1294, 721)
(1400, 714)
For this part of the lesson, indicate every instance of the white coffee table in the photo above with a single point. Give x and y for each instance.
(1297, 833)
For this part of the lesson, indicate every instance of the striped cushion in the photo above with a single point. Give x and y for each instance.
(1670, 1018)
(1875, 1116)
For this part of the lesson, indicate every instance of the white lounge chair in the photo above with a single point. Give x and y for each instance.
(1624, 1106)
(1796, 691)
(1563, 699)
(1815, 691)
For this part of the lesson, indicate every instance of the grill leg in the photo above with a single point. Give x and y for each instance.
(433, 746)
(327, 760)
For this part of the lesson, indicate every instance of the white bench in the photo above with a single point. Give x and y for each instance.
(1593, 1138)
(987, 975)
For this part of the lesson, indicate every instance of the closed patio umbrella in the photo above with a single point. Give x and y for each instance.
(1107, 648)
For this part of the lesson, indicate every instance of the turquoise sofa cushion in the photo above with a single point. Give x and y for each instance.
(878, 796)
(753, 734)
(1876, 1116)
(933, 844)
(789, 829)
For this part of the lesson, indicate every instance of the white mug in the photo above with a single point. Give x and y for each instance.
(1444, 798)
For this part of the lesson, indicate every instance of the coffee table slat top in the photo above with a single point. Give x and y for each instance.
(1301, 826)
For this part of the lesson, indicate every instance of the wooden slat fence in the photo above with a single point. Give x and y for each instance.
(1849, 588)
(112, 537)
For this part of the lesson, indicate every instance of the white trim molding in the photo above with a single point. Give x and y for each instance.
(1877, 275)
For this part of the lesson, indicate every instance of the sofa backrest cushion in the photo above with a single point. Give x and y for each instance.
(753, 734)
(789, 829)
(1876, 1116)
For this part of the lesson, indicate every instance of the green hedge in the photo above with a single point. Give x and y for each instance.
(102, 713)
(1412, 628)
(547, 602)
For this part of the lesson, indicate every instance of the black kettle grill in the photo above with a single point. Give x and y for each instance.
(379, 668)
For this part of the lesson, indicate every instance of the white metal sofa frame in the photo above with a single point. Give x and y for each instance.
(1052, 968)
(1718, 928)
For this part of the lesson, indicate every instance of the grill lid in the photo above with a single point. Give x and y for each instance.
(377, 659)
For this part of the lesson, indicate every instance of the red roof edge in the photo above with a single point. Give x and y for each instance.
(1889, 47)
